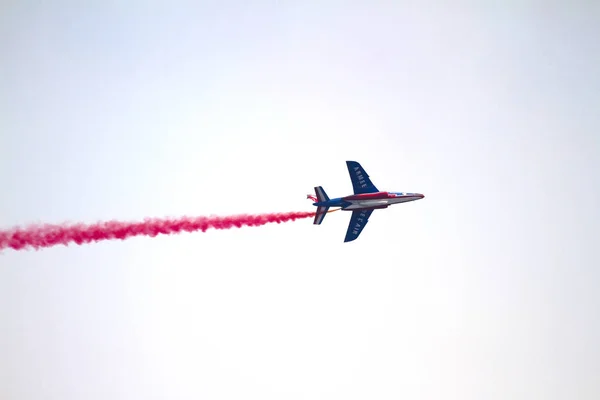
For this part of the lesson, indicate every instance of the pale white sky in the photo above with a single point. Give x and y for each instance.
(486, 289)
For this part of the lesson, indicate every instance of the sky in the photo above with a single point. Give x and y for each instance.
(484, 289)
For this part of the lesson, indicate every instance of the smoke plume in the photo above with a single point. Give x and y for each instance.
(40, 236)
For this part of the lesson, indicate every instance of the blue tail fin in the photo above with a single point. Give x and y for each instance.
(321, 210)
(320, 215)
(321, 195)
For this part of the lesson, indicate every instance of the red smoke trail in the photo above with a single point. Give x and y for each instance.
(39, 236)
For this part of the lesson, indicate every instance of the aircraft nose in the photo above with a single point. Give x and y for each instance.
(421, 195)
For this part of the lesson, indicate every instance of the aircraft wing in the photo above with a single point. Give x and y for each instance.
(358, 220)
(360, 179)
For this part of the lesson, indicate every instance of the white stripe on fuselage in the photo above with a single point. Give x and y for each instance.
(357, 204)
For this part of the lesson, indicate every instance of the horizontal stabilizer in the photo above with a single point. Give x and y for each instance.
(321, 195)
(320, 215)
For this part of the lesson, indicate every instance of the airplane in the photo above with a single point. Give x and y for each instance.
(362, 203)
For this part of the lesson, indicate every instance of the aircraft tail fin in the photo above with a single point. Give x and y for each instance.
(321, 210)
(321, 195)
(320, 215)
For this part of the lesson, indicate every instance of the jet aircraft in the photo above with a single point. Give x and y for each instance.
(362, 203)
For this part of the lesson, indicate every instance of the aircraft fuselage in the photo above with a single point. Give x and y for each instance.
(370, 201)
